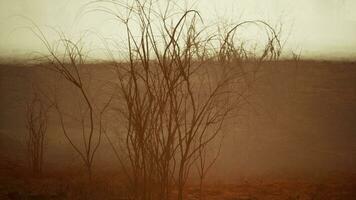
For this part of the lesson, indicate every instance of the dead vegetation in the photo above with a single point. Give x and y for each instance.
(174, 90)
(36, 124)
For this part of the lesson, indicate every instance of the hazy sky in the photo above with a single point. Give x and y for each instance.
(325, 28)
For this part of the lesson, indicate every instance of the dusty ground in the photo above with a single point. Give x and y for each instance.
(20, 186)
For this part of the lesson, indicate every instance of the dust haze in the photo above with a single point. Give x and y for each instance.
(161, 100)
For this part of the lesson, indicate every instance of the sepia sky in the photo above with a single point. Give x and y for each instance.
(318, 28)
